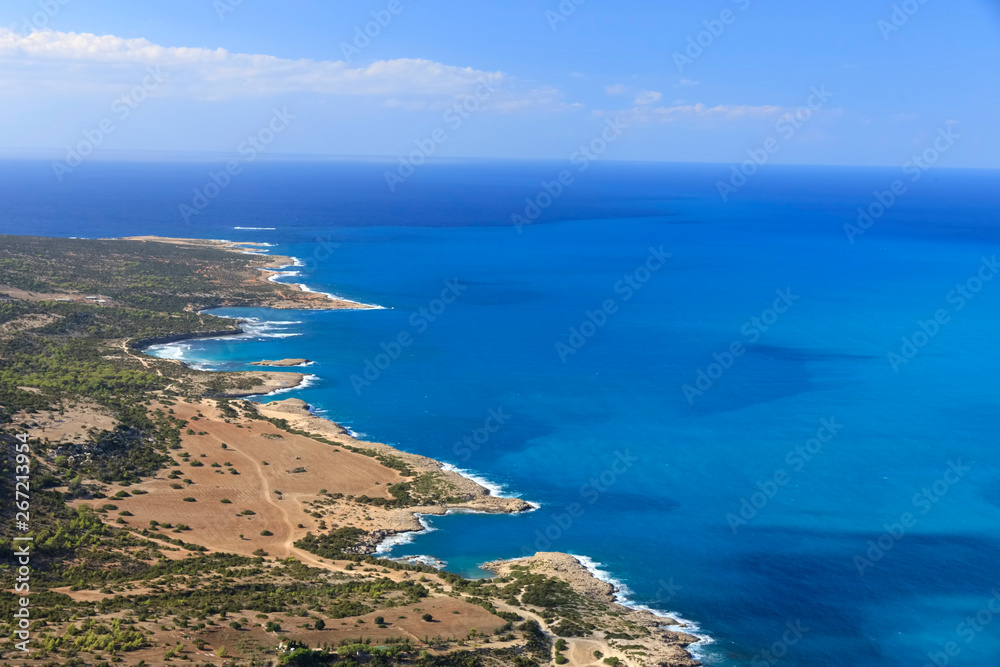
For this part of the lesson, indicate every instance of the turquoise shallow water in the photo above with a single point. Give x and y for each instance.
(808, 479)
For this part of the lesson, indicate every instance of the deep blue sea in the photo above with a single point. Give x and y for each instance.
(738, 433)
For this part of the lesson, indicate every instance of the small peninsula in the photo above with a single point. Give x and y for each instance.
(174, 521)
(282, 363)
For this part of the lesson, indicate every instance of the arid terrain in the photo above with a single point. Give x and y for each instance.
(172, 520)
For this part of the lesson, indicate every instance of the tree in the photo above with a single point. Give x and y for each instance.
(427, 617)
(319, 624)
(379, 620)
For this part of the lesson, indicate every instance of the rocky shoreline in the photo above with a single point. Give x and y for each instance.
(664, 645)
(282, 363)
(477, 498)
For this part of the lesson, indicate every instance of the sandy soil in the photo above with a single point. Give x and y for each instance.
(267, 471)
(282, 363)
(446, 624)
(663, 646)
(69, 427)
(43, 296)
(26, 323)
(287, 481)
(267, 382)
(278, 477)
(296, 412)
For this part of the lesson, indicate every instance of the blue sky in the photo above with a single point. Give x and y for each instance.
(202, 75)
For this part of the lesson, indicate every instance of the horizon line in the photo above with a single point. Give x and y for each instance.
(152, 156)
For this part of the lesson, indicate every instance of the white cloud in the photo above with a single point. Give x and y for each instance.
(61, 61)
(648, 97)
(617, 89)
(719, 111)
(680, 110)
(689, 82)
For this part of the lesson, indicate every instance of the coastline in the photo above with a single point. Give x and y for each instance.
(281, 270)
(667, 640)
(674, 621)
(295, 296)
(483, 496)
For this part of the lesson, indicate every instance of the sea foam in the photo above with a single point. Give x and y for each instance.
(623, 597)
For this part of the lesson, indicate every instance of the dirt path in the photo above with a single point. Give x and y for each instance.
(580, 652)
(289, 534)
(141, 360)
